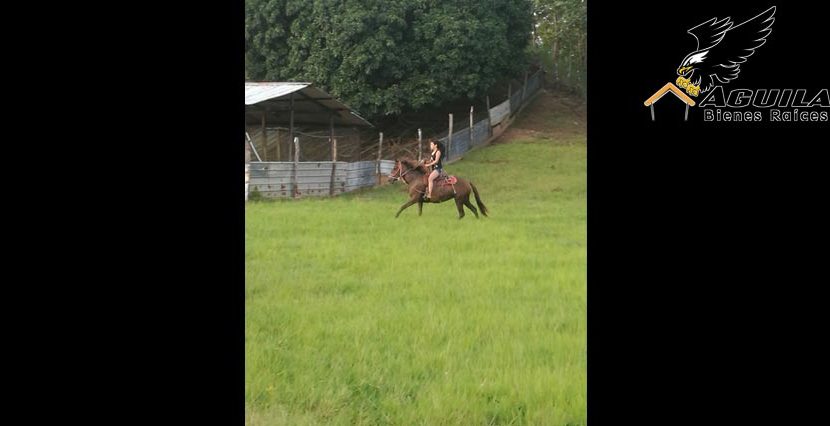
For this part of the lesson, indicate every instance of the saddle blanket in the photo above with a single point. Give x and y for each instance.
(448, 180)
(444, 179)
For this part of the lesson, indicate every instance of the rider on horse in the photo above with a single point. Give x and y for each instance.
(437, 160)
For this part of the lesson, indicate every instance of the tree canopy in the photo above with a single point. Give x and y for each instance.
(386, 56)
(560, 39)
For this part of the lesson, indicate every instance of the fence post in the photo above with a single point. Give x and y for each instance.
(247, 166)
(524, 89)
(420, 150)
(489, 121)
(295, 191)
(333, 153)
(279, 156)
(291, 125)
(380, 149)
(264, 135)
(333, 165)
(471, 127)
(449, 140)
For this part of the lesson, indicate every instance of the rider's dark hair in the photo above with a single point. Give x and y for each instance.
(441, 148)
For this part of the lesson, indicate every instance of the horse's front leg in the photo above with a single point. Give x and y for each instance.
(420, 205)
(405, 205)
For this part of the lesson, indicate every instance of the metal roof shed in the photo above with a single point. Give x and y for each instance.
(296, 103)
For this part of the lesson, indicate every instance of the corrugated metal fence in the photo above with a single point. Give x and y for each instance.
(275, 179)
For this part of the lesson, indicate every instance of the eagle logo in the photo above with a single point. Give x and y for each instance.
(722, 47)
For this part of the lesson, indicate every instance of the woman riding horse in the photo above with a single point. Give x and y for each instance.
(436, 160)
(415, 176)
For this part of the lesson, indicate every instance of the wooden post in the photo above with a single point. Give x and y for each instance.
(251, 143)
(264, 135)
(247, 167)
(380, 148)
(333, 154)
(420, 150)
(449, 141)
(524, 89)
(489, 122)
(294, 190)
(279, 156)
(471, 127)
(333, 165)
(291, 125)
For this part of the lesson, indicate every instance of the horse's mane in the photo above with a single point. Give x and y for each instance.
(412, 164)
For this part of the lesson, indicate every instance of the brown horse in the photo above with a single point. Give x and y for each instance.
(415, 175)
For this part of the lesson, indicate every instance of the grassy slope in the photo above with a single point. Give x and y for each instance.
(354, 317)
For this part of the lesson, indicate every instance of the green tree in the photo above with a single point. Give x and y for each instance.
(384, 56)
(560, 39)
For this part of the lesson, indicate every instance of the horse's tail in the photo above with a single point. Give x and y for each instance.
(481, 205)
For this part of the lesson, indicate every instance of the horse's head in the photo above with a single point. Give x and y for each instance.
(397, 172)
(404, 166)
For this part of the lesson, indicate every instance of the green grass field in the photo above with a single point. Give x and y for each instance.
(355, 317)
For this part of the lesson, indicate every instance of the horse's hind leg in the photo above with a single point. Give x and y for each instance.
(470, 206)
(420, 205)
(460, 205)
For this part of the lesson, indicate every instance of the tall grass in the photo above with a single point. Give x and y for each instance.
(355, 317)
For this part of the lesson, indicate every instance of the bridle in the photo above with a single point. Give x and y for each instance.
(401, 175)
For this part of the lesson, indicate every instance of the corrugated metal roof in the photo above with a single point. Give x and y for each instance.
(311, 105)
(258, 92)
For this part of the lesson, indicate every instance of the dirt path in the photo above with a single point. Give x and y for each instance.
(551, 115)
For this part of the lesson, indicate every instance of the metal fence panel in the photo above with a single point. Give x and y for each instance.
(499, 112)
(481, 131)
(460, 144)
(274, 179)
(515, 101)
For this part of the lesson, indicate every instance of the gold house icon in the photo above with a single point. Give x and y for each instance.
(669, 87)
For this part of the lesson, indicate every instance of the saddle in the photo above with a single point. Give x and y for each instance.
(444, 179)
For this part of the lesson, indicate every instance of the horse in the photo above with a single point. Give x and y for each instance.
(415, 175)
